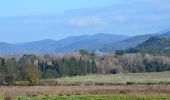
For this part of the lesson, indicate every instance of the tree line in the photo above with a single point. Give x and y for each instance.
(34, 67)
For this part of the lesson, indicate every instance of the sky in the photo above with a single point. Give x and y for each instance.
(32, 20)
(38, 7)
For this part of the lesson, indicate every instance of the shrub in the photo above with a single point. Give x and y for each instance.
(120, 52)
(9, 79)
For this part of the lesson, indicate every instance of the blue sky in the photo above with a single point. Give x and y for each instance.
(35, 7)
(31, 20)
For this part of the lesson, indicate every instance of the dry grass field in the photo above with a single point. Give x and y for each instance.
(80, 90)
(139, 86)
(114, 79)
(69, 91)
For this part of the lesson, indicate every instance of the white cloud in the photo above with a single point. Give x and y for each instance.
(86, 21)
(120, 18)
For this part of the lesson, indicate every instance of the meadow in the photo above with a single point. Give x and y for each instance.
(133, 86)
(154, 78)
(100, 97)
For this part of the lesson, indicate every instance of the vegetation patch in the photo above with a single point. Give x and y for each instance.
(98, 97)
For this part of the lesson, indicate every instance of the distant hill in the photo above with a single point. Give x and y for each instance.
(134, 41)
(127, 43)
(6, 47)
(159, 44)
(73, 43)
(89, 42)
(155, 45)
(166, 34)
(42, 46)
(102, 42)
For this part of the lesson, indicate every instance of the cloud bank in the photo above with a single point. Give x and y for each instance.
(86, 21)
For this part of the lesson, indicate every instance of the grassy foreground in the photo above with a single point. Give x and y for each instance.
(97, 97)
(135, 86)
(121, 92)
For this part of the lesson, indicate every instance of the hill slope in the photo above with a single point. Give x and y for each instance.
(127, 43)
(134, 41)
(73, 43)
(155, 45)
(102, 42)
(89, 42)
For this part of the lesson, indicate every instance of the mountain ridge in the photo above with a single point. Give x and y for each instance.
(72, 43)
(100, 41)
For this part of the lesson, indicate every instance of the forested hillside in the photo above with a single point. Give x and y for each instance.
(155, 45)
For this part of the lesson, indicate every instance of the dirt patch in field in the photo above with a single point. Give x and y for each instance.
(78, 90)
